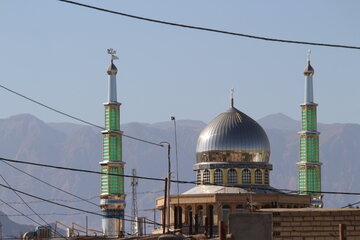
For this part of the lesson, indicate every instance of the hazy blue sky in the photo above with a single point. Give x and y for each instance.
(56, 53)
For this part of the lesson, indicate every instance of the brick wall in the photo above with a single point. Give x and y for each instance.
(314, 224)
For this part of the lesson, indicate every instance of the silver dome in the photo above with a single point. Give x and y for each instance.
(233, 136)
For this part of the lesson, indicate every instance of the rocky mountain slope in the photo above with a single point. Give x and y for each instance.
(24, 137)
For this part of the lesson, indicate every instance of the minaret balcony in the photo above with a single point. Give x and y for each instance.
(312, 104)
(111, 103)
(309, 164)
(112, 132)
(309, 133)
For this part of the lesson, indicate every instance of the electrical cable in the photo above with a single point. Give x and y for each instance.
(72, 201)
(69, 193)
(44, 214)
(24, 215)
(52, 199)
(60, 204)
(350, 205)
(89, 171)
(76, 118)
(82, 199)
(31, 209)
(211, 29)
(184, 182)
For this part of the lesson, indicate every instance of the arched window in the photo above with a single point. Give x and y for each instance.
(266, 177)
(246, 176)
(206, 176)
(199, 218)
(225, 213)
(239, 208)
(218, 177)
(198, 177)
(258, 176)
(232, 176)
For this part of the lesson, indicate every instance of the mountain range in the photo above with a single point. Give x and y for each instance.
(25, 137)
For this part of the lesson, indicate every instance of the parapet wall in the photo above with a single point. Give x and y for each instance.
(314, 224)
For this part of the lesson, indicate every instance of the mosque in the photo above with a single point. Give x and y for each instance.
(232, 170)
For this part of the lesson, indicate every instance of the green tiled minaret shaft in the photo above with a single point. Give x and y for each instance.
(309, 166)
(112, 197)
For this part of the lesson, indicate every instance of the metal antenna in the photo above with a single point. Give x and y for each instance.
(134, 208)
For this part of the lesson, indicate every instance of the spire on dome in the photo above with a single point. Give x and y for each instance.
(232, 97)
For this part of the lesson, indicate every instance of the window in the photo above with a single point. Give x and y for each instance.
(258, 176)
(246, 176)
(266, 177)
(198, 177)
(232, 176)
(218, 177)
(206, 176)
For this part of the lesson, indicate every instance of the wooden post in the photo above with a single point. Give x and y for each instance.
(342, 232)
(164, 208)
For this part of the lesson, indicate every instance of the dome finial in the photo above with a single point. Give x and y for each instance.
(232, 97)
(112, 70)
(309, 70)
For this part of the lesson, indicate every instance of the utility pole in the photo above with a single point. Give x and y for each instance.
(134, 208)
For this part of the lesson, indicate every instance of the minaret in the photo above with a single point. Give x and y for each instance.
(112, 198)
(309, 166)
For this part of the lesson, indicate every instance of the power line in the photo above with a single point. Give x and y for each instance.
(75, 118)
(60, 204)
(88, 171)
(211, 29)
(55, 232)
(20, 212)
(44, 214)
(350, 205)
(184, 182)
(52, 199)
(180, 181)
(69, 193)
(72, 201)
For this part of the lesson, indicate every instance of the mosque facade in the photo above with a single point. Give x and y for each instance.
(232, 171)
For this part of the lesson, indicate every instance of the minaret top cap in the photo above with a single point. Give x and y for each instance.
(112, 70)
(309, 70)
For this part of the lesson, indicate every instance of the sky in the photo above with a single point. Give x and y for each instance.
(56, 53)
